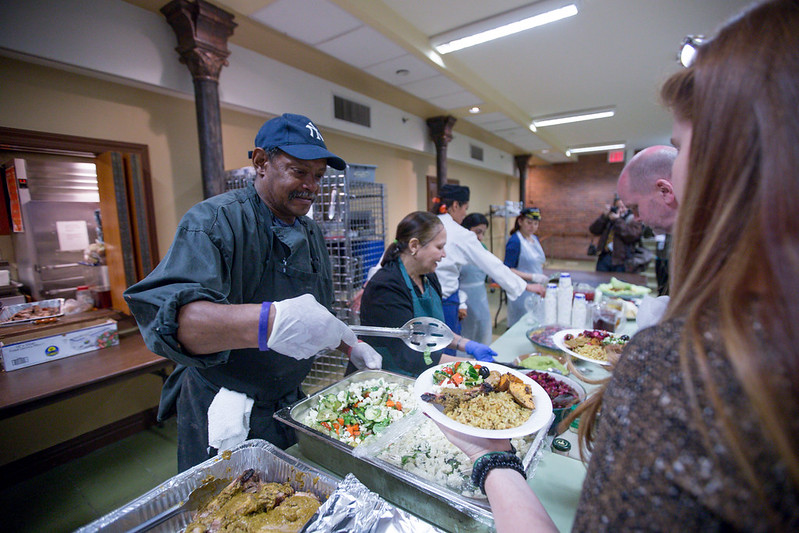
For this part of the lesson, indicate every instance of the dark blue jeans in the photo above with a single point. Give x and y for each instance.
(605, 264)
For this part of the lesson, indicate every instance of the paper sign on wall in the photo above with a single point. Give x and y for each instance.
(72, 235)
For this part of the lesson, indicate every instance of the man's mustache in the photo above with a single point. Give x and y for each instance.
(301, 195)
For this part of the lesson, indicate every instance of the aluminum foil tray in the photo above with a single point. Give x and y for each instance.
(56, 304)
(435, 503)
(273, 463)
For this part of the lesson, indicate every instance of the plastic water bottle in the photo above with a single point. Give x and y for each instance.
(579, 311)
(533, 305)
(551, 304)
(565, 292)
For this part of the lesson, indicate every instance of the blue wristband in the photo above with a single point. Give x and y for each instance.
(263, 326)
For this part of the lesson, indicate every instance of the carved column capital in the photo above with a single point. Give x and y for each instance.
(441, 129)
(202, 30)
(522, 161)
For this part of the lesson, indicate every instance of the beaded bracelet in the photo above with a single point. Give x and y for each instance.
(489, 461)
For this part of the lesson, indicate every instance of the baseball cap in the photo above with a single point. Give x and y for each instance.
(532, 213)
(299, 137)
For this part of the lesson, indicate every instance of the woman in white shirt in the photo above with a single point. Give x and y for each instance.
(463, 248)
(525, 257)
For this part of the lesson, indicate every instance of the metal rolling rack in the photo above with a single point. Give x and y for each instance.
(350, 209)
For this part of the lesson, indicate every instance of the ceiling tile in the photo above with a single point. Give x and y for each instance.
(500, 125)
(432, 87)
(417, 70)
(486, 118)
(455, 100)
(328, 20)
(362, 48)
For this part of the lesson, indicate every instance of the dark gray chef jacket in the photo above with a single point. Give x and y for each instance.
(230, 249)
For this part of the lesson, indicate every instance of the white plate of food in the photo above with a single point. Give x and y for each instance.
(590, 345)
(470, 400)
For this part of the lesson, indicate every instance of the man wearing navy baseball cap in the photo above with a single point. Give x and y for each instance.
(242, 300)
(298, 137)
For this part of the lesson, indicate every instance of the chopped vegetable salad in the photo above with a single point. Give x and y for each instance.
(460, 374)
(360, 410)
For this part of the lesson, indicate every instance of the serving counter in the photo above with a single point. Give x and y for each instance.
(558, 479)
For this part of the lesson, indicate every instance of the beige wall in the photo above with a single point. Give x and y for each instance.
(41, 98)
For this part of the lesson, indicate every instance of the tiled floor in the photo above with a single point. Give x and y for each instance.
(74, 494)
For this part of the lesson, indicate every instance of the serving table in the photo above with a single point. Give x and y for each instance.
(35, 386)
(558, 479)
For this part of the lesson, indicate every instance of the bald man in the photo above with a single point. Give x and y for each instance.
(646, 189)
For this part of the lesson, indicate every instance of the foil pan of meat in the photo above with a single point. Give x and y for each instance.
(254, 463)
(44, 310)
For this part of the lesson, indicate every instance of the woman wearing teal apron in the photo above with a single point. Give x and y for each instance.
(406, 287)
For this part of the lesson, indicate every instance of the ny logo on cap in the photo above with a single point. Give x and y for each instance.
(313, 132)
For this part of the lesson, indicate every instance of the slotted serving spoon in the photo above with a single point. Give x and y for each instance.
(420, 334)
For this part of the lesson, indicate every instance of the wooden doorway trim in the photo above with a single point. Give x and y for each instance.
(136, 192)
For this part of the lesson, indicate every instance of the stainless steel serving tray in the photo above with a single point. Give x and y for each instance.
(271, 462)
(435, 503)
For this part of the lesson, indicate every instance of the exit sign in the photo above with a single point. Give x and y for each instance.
(616, 156)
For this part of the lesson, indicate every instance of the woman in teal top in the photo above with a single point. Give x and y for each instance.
(406, 287)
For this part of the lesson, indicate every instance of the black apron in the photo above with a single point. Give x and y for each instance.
(295, 267)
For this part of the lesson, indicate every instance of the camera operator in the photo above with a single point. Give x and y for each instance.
(618, 232)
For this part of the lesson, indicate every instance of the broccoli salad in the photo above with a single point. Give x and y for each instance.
(362, 409)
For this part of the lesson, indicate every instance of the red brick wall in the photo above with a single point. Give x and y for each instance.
(571, 196)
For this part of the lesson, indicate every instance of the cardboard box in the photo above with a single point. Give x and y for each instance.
(21, 352)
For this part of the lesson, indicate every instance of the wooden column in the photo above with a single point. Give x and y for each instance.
(441, 133)
(202, 30)
(521, 165)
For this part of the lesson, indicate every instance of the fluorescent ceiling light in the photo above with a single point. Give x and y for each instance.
(597, 148)
(502, 25)
(567, 119)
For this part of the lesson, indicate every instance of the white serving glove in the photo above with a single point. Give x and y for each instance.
(303, 327)
(364, 356)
